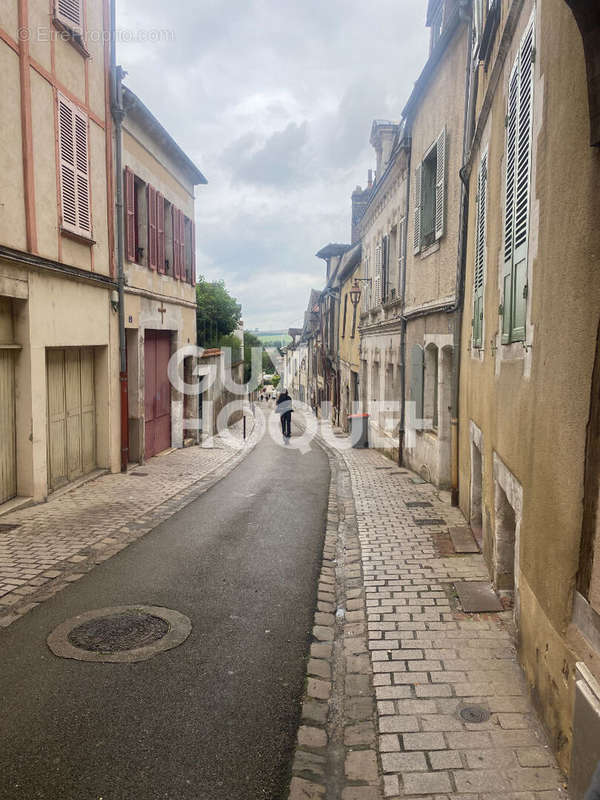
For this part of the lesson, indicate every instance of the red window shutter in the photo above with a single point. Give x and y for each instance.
(182, 264)
(176, 249)
(152, 238)
(193, 275)
(160, 232)
(130, 221)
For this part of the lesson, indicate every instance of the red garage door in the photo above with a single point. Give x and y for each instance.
(157, 351)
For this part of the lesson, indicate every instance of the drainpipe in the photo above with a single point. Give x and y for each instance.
(403, 321)
(118, 114)
(470, 95)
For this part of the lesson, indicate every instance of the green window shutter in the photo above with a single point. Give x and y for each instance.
(509, 204)
(416, 379)
(522, 187)
(479, 272)
(418, 209)
(440, 185)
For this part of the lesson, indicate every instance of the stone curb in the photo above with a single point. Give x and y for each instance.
(336, 756)
(53, 581)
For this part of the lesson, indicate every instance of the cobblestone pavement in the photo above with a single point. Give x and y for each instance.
(399, 634)
(57, 542)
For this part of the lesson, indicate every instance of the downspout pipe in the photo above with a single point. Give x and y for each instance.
(118, 115)
(401, 432)
(470, 96)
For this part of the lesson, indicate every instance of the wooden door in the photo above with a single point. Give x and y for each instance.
(157, 398)
(8, 456)
(71, 414)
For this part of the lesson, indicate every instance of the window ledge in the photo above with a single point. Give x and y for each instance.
(77, 237)
(74, 37)
(428, 251)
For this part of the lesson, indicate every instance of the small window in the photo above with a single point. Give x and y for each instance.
(430, 195)
(431, 385)
(187, 270)
(428, 199)
(69, 13)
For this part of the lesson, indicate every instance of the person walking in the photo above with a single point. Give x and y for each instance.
(284, 409)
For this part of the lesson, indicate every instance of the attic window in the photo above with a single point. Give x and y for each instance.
(69, 17)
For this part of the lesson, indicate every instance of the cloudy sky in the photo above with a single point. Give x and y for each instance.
(273, 100)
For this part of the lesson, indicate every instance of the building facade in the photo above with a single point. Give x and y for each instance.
(59, 406)
(160, 272)
(349, 336)
(529, 385)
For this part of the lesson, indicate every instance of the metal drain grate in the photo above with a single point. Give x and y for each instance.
(118, 632)
(138, 474)
(474, 714)
(432, 521)
(5, 528)
(418, 504)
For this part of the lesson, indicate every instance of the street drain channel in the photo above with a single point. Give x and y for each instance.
(474, 714)
(432, 521)
(121, 634)
(5, 528)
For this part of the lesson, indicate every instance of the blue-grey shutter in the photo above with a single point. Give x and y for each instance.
(416, 379)
(509, 200)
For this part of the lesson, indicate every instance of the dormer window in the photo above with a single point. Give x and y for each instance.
(437, 24)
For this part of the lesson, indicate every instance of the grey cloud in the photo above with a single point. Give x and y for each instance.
(279, 161)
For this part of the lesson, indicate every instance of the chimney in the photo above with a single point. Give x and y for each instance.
(383, 136)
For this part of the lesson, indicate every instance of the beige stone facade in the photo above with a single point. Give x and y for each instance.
(529, 344)
(58, 375)
(160, 296)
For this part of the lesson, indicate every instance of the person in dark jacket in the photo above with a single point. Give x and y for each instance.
(284, 409)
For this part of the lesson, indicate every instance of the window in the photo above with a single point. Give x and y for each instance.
(189, 268)
(479, 270)
(377, 287)
(430, 195)
(431, 385)
(385, 268)
(70, 14)
(168, 238)
(401, 251)
(518, 169)
(74, 168)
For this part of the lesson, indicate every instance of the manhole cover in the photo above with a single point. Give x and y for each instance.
(474, 714)
(121, 634)
(118, 632)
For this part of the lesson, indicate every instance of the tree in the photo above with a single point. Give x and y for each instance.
(275, 380)
(250, 341)
(217, 313)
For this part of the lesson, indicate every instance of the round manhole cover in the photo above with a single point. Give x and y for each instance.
(474, 714)
(120, 634)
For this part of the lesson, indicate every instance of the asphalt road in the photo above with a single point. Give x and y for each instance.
(214, 719)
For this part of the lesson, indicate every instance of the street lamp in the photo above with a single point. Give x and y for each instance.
(355, 290)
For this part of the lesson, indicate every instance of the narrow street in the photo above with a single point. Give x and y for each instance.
(214, 718)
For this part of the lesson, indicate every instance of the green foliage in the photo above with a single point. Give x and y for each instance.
(217, 314)
(275, 380)
(250, 341)
(275, 339)
(233, 342)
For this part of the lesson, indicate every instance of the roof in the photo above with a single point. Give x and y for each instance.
(134, 106)
(332, 249)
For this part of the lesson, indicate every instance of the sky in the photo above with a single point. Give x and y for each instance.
(273, 100)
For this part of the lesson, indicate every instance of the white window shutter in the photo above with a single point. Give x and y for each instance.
(83, 179)
(74, 168)
(418, 209)
(440, 185)
(70, 13)
(378, 275)
(68, 181)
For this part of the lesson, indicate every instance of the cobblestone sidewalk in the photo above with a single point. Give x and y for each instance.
(57, 542)
(392, 587)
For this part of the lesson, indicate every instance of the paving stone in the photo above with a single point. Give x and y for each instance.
(534, 756)
(424, 741)
(361, 793)
(307, 764)
(357, 685)
(404, 762)
(324, 619)
(323, 634)
(361, 734)
(315, 711)
(398, 724)
(319, 667)
(301, 789)
(445, 759)
(321, 650)
(311, 737)
(318, 688)
(418, 783)
(361, 765)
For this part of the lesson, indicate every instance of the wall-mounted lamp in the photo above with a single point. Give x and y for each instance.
(355, 291)
(114, 300)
